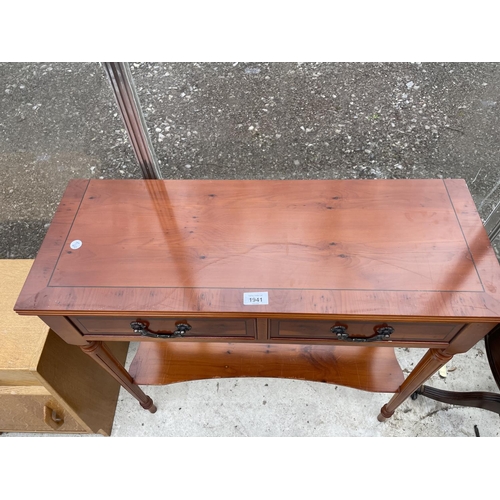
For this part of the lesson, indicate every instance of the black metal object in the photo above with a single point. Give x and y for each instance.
(382, 332)
(127, 99)
(492, 346)
(143, 329)
(485, 400)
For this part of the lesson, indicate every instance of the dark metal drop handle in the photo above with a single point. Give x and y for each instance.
(383, 332)
(143, 329)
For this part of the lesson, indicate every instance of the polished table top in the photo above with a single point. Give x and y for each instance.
(409, 249)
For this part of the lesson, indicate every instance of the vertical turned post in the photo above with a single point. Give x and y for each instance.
(99, 352)
(122, 83)
(432, 361)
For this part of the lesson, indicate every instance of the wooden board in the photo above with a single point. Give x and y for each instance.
(21, 339)
(370, 369)
(413, 249)
(36, 366)
(24, 411)
(84, 388)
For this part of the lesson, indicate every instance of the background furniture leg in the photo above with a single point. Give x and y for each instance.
(485, 400)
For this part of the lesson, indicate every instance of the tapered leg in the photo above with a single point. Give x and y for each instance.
(103, 356)
(486, 400)
(432, 361)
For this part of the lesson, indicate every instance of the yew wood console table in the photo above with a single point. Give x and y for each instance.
(315, 280)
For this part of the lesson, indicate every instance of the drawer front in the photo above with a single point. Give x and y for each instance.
(33, 413)
(415, 332)
(200, 327)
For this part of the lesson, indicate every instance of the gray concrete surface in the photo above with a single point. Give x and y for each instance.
(264, 407)
(273, 407)
(59, 121)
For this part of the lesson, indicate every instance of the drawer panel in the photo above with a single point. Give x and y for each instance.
(200, 327)
(425, 332)
(33, 409)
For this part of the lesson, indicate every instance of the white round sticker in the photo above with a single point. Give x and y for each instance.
(75, 245)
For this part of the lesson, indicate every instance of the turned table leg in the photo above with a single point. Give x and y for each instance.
(432, 361)
(99, 352)
(489, 401)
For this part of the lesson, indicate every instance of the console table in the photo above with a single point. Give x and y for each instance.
(316, 280)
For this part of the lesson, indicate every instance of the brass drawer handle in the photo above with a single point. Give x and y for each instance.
(51, 418)
(383, 332)
(143, 329)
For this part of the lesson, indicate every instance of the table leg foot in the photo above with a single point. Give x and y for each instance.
(384, 414)
(149, 405)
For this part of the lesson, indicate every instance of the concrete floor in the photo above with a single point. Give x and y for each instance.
(264, 407)
(58, 121)
(274, 407)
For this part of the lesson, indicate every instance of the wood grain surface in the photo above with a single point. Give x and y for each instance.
(408, 249)
(369, 369)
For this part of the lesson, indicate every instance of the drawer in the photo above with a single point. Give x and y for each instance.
(415, 332)
(199, 327)
(33, 409)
